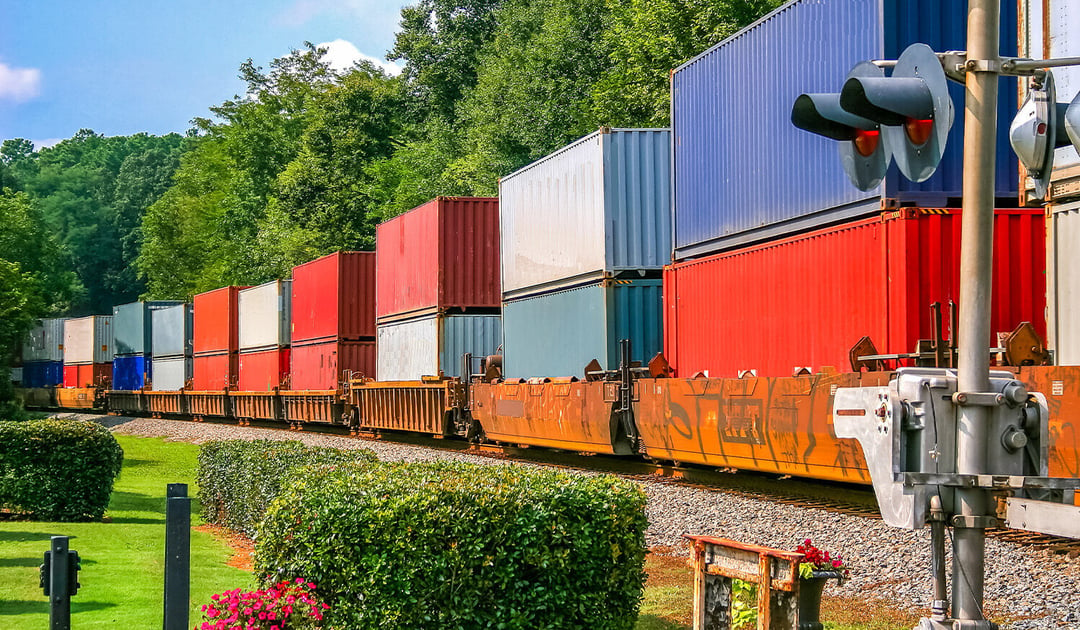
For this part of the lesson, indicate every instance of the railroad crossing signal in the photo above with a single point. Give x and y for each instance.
(1041, 126)
(910, 108)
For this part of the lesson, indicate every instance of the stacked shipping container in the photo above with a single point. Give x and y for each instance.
(133, 338)
(437, 276)
(215, 339)
(88, 350)
(172, 349)
(333, 320)
(43, 354)
(264, 324)
(585, 233)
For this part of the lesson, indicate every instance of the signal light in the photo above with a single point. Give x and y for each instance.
(913, 107)
(863, 152)
(1041, 126)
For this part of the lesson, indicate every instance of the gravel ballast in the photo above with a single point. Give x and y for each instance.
(1033, 588)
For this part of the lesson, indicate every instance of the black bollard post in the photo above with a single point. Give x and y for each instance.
(177, 557)
(60, 580)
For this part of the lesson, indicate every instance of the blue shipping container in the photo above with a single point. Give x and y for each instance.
(42, 373)
(130, 373)
(133, 326)
(558, 334)
(743, 173)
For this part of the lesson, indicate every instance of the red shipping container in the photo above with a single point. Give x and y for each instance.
(264, 370)
(440, 256)
(216, 321)
(214, 372)
(804, 301)
(320, 366)
(334, 297)
(86, 374)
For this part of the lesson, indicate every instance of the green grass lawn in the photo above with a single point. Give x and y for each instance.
(122, 560)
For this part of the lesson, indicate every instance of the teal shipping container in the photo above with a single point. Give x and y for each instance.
(558, 334)
(172, 331)
(133, 328)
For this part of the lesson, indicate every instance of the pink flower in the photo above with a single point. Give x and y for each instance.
(311, 585)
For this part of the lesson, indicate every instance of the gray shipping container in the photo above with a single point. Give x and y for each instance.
(170, 375)
(264, 313)
(1063, 282)
(172, 331)
(88, 340)
(411, 349)
(1051, 28)
(600, 204)
(45, 342)
(133, 326)
(558, 334)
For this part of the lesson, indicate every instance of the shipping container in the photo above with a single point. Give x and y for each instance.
(131, 372)
(43, 374)
(441, 256)
(133, 326)
(1051, 28)
(173, 331)
(599, 205)
(1063, 282)
(215, 372)
(559, 333)
(428, 346)
(334, 297)
(88, 340)
(87, 374)
(263, 370)
(216, 321)
(804, 301)
(15, 375)
(171, 374)
(320, 366)
(45, 341)
(264, 315)
(743, 173)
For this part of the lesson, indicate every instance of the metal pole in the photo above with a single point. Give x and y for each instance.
(177, 556)
(976, 251)
(59, 584)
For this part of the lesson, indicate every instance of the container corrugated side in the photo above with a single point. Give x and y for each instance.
(216, 321)
(321, 366)
(215, 372)
(264, 315)
(130, 372)
(43, 374)
(334, 297)
(171, 374)
(600, 204)
(806, 300)
(88, 340)
(263, 370)
(172, 331)
(743, 173)
(408, 350)
(45, 341)
(1063, 282)
(133, 326)
(87, 374)
(559, 333)
(1051, 28)
(439, 256)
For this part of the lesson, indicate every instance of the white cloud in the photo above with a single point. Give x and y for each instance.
(19, 84)
(342, 54)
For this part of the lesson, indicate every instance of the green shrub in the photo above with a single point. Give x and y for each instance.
(58, 470)
(460, 546)
(239, 478)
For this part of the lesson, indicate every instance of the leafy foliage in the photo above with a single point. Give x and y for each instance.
(453, 545)
(58, 470)
(238, 479)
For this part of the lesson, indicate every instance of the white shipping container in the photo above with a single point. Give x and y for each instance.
(601, 204)
(45, 342)
(1051, 28)
(1063, 283)
(170, 375)
(88, 340)
(411, 349)
(264, 315)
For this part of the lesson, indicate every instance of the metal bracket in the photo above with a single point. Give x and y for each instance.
(978, 399)
(973, 522)
(994, 482)
(983, 65)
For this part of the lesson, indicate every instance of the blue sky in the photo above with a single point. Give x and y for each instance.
(121, 66)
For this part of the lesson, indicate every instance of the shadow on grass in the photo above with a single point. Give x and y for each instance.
(22, 562)
(24, 536)
(135, 502)
(131, 462)
(11, 608)
(652, 622)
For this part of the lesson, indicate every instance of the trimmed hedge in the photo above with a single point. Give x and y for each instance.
(447, 545)
(239, 478)
(58, 470)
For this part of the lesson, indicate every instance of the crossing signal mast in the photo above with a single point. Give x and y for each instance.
(938, 441)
